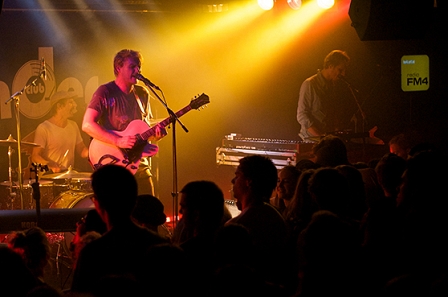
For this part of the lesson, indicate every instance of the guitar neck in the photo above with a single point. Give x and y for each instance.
(151, 131)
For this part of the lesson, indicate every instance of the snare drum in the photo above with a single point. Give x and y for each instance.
(72, 199)
(72, 184)
(80, 184)
(10, 200)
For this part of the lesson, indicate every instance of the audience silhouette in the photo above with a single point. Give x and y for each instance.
(32, 244)
(202, 209)
(15, 277)
(331, 257)
(350, 230)
(254, 181)
(302, 207)
(286, 185)
(89, 228)
(330, 151)
(149, 212)
(119, 251)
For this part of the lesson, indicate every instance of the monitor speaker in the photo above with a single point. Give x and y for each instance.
(50, 220)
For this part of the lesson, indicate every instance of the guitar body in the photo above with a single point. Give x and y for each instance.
(101, 153)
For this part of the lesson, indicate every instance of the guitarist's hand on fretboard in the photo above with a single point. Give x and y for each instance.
(160, 132)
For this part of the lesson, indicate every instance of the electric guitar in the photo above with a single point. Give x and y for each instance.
(101, 153)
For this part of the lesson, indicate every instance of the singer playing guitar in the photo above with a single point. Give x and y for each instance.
(116, 104)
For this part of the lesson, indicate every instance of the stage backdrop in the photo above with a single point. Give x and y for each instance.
(250, 65)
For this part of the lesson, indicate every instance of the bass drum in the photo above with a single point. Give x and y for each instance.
(72, 199)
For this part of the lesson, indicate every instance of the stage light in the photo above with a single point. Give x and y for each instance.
(295, 4)
(266, 4)
(326, 4)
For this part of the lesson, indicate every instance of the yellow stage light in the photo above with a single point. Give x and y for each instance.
(295, 4)
(326, 4)
(266, 4)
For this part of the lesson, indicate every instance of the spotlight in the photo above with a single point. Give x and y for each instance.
(295, 4)
(266, 4)
(326, 4)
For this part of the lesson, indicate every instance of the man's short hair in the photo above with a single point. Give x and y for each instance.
(115, 189)
(206, 200)
(202, 195)
(335, 58)
(400, 140)
(124, 54)
(331, 151)
(262, 173)
(149, 210)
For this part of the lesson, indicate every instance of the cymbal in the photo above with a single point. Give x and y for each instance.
(10, 141)
(69, 174)
(25, 183)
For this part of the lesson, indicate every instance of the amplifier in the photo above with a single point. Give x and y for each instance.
(282, 152)
(231, 156)
(266, 144)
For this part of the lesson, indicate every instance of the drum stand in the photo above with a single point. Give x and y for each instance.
(12, 195)
(36, 187)
(55, 238)
(60, 258)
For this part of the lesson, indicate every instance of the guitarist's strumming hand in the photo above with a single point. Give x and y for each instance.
(126, 142)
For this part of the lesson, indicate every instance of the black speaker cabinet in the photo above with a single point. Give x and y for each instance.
(390, 19)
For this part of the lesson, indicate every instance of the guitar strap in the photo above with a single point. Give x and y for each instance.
(144, 161)
(140, 104)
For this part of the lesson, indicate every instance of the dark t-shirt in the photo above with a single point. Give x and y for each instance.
(269, 234)
(118, 109)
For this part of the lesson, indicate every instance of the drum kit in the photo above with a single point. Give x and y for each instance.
(68, 189)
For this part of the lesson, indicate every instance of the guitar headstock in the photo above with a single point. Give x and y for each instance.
(199, 101)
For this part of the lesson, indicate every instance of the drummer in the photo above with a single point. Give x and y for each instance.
(59, 137)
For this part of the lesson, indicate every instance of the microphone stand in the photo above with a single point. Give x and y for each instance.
(15, 98)
(361, 111)
(174, 119)
(36, 187)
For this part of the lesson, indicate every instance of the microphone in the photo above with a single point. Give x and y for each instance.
(44, 69)
(146, 81)
(342, 78)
